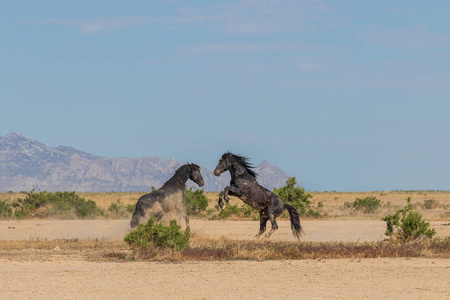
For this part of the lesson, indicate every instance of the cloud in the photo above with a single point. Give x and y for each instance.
(227, 48)
(101, 25)
(323, 7)
(411, 38)
(246, 17)
(262, 17)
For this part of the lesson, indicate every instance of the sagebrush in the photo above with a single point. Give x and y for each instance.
(195, 200)
(294, 195)
(407, 225)
(62, 204)
(156, 235)
(367, 204)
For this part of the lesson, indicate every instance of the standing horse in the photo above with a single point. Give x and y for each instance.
(243, 185)
(168, 202)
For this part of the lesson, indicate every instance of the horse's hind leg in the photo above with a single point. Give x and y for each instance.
(274, 225)
(220, 202)
(186, 218)
(263, 218)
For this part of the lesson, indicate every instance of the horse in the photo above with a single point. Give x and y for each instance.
(168, 202)
(243, 185)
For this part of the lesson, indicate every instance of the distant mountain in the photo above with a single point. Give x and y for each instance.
(27, 164)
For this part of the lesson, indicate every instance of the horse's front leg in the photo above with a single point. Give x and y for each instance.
(234, 190)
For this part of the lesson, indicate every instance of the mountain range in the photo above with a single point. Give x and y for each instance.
(27, 164)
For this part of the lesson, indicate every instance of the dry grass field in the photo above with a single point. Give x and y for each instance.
(341, 256)
(335, 204)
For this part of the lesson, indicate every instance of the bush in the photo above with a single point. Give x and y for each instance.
(87, 209)
(131, 208)
(118, 209)
(314, 213)
(250, 212)
(151, 235)
(5, 209)
(430, 204)
(195, 200)
(294, 195)
(367, 205)
(227, 212)
(51, 204)
(407, 225)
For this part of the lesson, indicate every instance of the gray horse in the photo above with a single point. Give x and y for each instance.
(168, 202)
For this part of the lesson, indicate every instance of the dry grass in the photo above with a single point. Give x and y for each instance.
(335, 208)
(62, 244)
(251, 250)
(333, 202)
(209, 250)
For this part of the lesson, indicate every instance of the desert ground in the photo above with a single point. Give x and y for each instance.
(60, 273)
(35, 261)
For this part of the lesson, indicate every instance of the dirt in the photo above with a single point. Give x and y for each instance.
(56, 274)
(315, 230)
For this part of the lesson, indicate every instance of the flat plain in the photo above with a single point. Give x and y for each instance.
(73, 259)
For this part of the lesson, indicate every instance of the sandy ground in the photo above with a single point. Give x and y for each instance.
(306, 279)
(69, 275)
(315, 230)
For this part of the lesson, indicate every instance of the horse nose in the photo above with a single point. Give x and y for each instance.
(216, 172)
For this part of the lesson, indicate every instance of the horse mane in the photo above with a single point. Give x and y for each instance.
(188, 168)
(243, 161)
(183, 171)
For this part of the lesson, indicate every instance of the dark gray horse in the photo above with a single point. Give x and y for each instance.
(168, 202)
(243, 185)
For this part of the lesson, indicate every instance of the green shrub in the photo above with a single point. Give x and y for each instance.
(250, 212)
(87, 209)
(131, 208)
(227, 212)
(118, 209)
(406, 224)
(30, 204)
(195, 200)
(367, 205)
(151, 235)
(315, 213)
(54, 204)
(294, 195)
(5, 209)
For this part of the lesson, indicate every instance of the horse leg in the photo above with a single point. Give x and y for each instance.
(221, 200)
(186, 218)
(233, 191)
(274, 225)
(263, 218)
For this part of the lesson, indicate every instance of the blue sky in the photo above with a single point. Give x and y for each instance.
(344, 95)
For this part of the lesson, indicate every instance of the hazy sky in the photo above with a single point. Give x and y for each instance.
(344, 95)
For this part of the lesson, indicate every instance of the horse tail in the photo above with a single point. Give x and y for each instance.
(295, 220)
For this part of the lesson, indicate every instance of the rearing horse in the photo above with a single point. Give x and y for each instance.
(243, 185)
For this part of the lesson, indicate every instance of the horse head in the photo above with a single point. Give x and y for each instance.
(196, 176)
(230, 161)
(225, 164)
